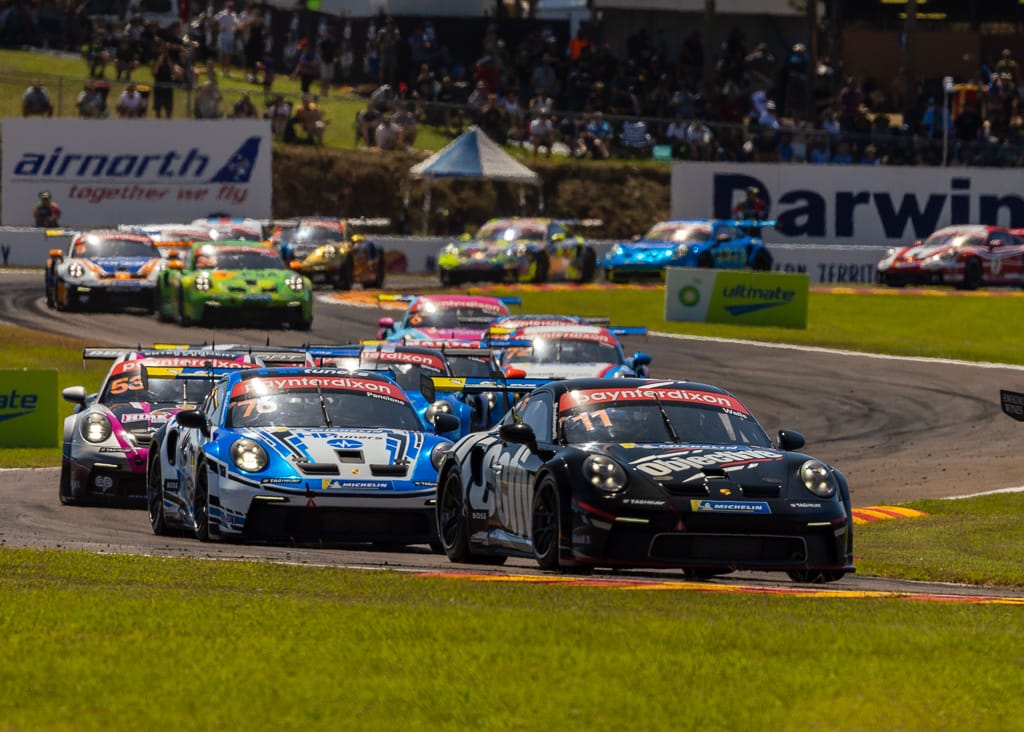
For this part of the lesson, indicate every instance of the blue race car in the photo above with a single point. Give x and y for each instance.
(299, 454)
(706, 243)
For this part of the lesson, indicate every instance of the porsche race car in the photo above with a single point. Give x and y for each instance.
(299, 454)
(643, 473)
(324, 250)
(451, 319)
(518, 250)
(237, 281)
(706, 243)
(106, 440)
(572, 350)
(968, 257)
(103, 269)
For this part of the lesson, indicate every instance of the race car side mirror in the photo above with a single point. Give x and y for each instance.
(519, 433)
(512, 372)
(56, 253)
(295, 264)
(193, 419)
(175, 264)
(641, 359)
(790, 440)
(386, 323)
(444, 422)
(74, 394)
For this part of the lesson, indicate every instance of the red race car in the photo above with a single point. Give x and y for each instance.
(968, 256)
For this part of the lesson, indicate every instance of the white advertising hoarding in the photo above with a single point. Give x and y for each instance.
(135, 171)
(872, 205)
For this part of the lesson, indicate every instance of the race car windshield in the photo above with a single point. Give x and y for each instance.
(406, 374)
(678, 233)
(311, 234)
(139, 387)
(469, 366)
(562, 350)
(240, 259)
(504, 232)
(451, 317)
(92, 247)
(344, 408)
(954, 239)
(643, 422)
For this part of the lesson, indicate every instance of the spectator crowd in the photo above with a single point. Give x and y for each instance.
(552, 96)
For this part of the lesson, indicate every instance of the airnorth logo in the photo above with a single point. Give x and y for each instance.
(189, 166)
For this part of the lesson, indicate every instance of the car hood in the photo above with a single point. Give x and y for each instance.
(142, 416)
(349, 457)
(646, 251)
(715, 471)
(444, 334)
(133, 266)
(917, 254)
(249, 277)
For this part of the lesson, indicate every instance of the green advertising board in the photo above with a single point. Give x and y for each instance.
(28, 407)
(736, 296)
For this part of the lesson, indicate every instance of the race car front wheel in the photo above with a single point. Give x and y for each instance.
(345, 276)
(546, 531)
(64, 489)
(453, 519)
(201, 505)
(155, 497)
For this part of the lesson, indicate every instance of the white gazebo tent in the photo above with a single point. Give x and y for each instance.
(473, 155)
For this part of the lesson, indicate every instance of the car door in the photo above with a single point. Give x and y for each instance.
(515, 467)
(1003, 261)
(728, 247)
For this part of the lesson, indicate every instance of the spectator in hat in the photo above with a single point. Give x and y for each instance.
(46, 211)
(35, 102)
(307, 65)
(751, 207)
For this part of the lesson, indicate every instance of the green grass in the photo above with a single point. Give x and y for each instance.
(972, 327)
(95, 642)
(977, 541)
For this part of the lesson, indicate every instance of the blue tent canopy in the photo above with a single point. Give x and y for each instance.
(473, 155)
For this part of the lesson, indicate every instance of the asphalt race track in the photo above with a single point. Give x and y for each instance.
(900, 429)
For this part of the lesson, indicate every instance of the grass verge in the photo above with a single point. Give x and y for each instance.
(96, 642)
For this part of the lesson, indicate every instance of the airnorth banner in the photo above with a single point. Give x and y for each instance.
(135, 171)
(742, 297)
(28, 408)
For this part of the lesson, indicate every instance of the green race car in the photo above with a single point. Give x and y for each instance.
(237, 282)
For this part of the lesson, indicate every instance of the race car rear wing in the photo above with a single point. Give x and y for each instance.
(430, 385)
(266, 356)
(383, 297)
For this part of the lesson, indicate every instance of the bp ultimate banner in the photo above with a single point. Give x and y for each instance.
(869, 205)
(135, 171)
(740, 297)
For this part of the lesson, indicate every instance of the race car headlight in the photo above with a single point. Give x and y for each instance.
(296, 283)
(682, 250)
(203, 283)
(450, 250)
(616, 251)
(604, 473)
(96, 427)
(248, 455)
(817, 478)
(327, 251)
(76, 270)
(438, 407)
(437, 454)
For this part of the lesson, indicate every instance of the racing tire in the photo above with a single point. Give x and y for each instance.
(762, 261)
(300, 323)
(345, 277)
(706, 261)
(542, 266)
(155, 497)
(378, 279)
(453, 519)
(64, 485)
(588, 268)
(815, 576)
(973, 276)
(546, 529)
(183, 319)
(201, 504)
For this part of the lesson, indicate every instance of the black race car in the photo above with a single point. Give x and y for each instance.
(643, 473)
